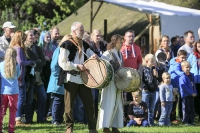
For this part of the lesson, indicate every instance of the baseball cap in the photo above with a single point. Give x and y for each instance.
(8, 25)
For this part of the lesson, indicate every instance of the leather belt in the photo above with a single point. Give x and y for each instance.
(73, 72)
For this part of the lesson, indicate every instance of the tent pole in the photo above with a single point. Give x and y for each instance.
(151, 36)
(91, 15)
(97, 10)
(143, 31)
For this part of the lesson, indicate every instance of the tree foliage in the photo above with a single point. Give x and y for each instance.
(42, 13)
(195, 4)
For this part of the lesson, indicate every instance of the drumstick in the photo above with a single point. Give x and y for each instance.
(99, 69)
(91, 77)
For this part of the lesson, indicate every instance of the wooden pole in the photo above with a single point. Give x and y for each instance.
(91, 15)
(143, 31)
(151, 39)
(105, 29)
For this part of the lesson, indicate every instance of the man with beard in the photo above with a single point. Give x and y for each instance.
(55, 34)
(8, 28)
(71, 59)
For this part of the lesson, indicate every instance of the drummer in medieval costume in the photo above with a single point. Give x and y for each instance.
(72, 55)
(99, 47)
(111, 108)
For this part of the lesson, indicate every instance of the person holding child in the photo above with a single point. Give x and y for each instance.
(164, 47)
(166, 97)
(111, 107)
(188, 92)
(10, 72)
(137, 111)
(175, 71)
(161, 67)
(149, 85)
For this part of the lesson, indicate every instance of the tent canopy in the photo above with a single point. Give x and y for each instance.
(154, 7)
(174, 20)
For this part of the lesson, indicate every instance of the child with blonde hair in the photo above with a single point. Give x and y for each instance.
(167, 93)
(137, 111)
(149, 85)
(188, 92)
(10, 72)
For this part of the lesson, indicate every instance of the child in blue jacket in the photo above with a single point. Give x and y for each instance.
(175, 71)
(188, 92)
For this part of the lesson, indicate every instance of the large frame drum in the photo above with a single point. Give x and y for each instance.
(98, 75)
(128, 79)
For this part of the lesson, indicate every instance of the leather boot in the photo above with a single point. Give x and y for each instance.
(69, 130)
(115, 130)
(106, 130)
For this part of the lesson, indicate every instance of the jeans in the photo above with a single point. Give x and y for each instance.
(41, 103)
(134, 123)
(180, 112)
(165, 114)
(11, 102)
(79, 112)
(149, 98)
(173, 112)
(21, 101)
(188, 109)
(157, 110)
(95, 94)
(57, 107)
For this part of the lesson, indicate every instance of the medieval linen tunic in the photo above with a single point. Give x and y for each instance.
(66, 65)
(111, 108)
(68, 60)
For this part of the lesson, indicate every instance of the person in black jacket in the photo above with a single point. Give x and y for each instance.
(149, 85)
(34, 80)
(99, 47)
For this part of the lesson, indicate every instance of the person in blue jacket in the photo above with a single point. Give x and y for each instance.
(188, 92)
(57, 92)
(194, 60)
(175, 71)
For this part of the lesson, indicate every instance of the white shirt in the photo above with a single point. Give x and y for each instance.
(187, 48)
(66, 65)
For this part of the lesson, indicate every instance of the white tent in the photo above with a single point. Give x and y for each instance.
(175, 20)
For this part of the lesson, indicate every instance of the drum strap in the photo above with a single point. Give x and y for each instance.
(114, 61)
(78, 47)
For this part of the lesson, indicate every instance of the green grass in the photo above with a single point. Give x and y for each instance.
(81, 128)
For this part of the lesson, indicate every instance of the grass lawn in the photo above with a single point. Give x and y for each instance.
(81, 128)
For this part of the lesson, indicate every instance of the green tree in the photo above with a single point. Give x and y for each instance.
(37, 12)
(195, 4)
